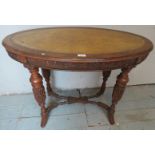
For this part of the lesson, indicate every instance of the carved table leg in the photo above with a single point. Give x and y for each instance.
(46, 74)
(39, 92)
(118, 91)
(106, 75)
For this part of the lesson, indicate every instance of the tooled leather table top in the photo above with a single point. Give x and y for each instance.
(77, 42)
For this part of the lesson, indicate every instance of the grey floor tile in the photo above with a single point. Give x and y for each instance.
(8, 124)
(30, 123)
(116, 126)
(19, 99)
(135, 115)
(136, 110)
(99, 127)
(95, 115)
(92, 109)
(139, 125)
(69, 122)
(10, 112)
(139, 104)
(67, 109)
(11, 106)
(97, 119)
(135, 93)
(145, 90)
(30, 107)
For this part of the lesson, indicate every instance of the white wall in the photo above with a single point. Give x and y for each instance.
(14, 78)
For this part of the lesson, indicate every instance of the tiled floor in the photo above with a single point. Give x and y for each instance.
(136, 110)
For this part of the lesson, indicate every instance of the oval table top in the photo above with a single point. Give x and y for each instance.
(77, 42)
(77, 48)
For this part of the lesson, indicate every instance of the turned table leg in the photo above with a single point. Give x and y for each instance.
(46, 75)
(106, 75)
(118, 91)
(39, 92)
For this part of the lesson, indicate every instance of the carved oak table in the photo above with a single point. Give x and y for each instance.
(77, 49)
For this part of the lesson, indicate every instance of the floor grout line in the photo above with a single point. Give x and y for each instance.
(40, 116)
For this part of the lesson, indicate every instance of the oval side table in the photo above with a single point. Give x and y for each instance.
(77, 49)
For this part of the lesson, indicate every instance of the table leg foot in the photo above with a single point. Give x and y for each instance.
(44, 117)
(111, 117)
